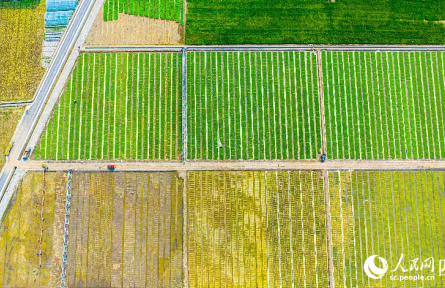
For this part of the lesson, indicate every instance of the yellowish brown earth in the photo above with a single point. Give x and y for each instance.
(20, 233)
(21, 40)
(125, 230)
(134, 30)
(256, 229)
(9, 118)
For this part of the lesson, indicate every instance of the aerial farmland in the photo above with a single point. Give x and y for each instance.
(176, 143)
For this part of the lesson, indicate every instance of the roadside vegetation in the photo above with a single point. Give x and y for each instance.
(226, 22)
(9, 118)
(21, 38)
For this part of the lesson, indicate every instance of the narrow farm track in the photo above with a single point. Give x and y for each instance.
(34, 165)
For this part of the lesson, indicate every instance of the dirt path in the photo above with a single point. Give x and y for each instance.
(321, 97)
(33, 165)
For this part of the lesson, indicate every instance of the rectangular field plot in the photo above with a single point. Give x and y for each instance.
(118, 106)
(387, 214)
(23, 262)
(161, 9)
(252, 106)
(384, 105)
(125, 230)
(256, 229)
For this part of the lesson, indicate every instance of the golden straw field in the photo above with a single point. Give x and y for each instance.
(20, 233)
(21, 38)
(256, 229)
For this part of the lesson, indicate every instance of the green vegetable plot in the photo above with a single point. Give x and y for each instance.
(118, 106)
(252, 105)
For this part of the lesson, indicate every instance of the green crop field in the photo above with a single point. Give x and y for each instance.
(252, 105)
(387, 214)
(118, 106)
(315, 22)
(384, 105)
(160, 9)
(256, 229)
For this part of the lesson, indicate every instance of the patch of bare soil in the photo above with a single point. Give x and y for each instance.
(134, 30)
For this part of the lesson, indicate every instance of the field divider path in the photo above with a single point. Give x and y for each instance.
(321, 97)
(231, 48)
(340, 165)
(184, 105)
(66, 230)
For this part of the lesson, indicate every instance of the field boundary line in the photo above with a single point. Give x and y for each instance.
(210, 48)
(184, 105)
(185, 280)
(329, 245)
(15, 103)
(332, 165)
(66, 230)
(321, 98)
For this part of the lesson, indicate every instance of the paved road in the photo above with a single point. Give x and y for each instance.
(236, 165)
(29, 120)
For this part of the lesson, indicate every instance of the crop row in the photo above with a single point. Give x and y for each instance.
(118, 106)
(31, 232)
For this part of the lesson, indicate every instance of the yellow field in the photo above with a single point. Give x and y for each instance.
(21, 39)
(9, 118)
(386, 214)
(125, 230)
(256, 229)
(20, 233)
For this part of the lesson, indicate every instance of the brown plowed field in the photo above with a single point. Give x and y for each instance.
(125, 230)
